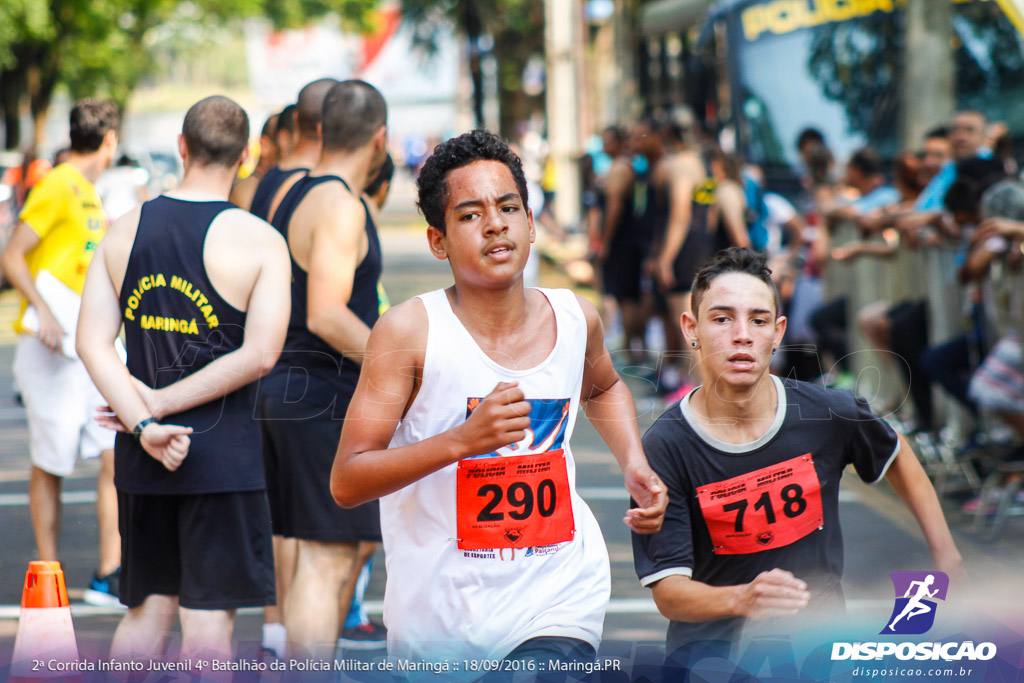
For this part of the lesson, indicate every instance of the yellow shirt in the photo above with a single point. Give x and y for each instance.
(65, 211)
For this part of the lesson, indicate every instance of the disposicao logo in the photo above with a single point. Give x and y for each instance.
(916, 593)
(913, 614)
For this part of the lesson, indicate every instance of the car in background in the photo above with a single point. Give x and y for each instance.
(162, 164)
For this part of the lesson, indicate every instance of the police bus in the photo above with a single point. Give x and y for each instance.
(757, 72)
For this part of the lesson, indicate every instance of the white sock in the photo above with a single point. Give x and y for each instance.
(275, 638)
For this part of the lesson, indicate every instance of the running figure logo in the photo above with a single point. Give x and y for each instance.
(914, 612)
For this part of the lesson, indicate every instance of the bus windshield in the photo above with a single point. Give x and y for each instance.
(843, 78)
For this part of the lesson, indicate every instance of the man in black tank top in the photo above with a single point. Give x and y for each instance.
(201, 288)
(624, 242)
(677, 175)
(335, 276)
(295, 163)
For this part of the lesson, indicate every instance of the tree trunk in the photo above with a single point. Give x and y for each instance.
(476, 74)
(928, 69)
(42, 81)
(11, 91)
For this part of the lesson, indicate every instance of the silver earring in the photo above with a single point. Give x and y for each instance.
(773, 351)
(694, 345)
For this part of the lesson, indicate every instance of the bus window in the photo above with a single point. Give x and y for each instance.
(839, 78)
(989, 64)
(843, 77)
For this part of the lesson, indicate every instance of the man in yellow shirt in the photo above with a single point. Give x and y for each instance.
(61, 224)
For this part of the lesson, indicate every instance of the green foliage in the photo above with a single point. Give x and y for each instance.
(294, 13)
(516, 28)
(105, 47)
(21, 21)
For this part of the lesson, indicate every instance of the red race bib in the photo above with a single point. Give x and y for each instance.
(514, 502)
(768, 508)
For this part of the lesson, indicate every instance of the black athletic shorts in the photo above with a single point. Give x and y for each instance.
(213, 551)
(694, 253)
(623, 271)
(298, 453)
(534, 654)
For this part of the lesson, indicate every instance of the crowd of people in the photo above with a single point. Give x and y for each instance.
(276, 419)
(667, 198)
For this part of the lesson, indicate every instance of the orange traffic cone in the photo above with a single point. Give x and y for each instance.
(45, 647)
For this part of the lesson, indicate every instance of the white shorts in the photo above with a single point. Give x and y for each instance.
(61, 402)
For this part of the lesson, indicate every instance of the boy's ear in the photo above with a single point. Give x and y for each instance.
(436, 241)
(688, 326)
(780, 330)
(533, 228)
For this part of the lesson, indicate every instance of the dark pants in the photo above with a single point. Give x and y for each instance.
(950, 366)
(534, 655)
(908, 335)
(829, 323)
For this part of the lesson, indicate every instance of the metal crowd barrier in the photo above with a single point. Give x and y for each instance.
(931, 274)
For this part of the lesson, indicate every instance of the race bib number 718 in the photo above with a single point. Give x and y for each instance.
(764, 509)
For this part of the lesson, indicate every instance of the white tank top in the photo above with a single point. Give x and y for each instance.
(445, 603)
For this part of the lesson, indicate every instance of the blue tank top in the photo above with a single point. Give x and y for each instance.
(175, 324)
(268, 186)
(310, 369)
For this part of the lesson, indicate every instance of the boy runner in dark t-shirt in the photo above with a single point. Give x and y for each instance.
(752, 464)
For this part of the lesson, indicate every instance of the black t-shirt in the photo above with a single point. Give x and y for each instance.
(736, 510)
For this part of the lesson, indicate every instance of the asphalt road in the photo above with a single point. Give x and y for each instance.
(880, 536)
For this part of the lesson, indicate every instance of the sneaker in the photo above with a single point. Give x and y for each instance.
(103, 591)
(972, 506)
(364, 637)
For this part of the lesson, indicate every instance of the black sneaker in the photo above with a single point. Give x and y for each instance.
(103, 591)
(364, 637)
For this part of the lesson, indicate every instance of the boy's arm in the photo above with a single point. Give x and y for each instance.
(775, 593)
(98, 325)
(609, 406)
(364, 467)
(911, 484)
(266, 324)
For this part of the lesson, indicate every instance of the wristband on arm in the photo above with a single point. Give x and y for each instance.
(137, 430)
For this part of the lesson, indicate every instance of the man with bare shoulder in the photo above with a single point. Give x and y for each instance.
(336, 265)
(688, 195)
(625, 239)
(201, 288)
(461, 425)
(295, 162)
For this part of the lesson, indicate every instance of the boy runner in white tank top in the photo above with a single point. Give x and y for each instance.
(461, 424)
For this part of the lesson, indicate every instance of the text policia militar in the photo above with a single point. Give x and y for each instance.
(948, 652)
(178, 283)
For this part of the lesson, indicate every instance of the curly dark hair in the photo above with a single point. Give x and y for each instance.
(732, 260)
(91, 120)
(477, 145)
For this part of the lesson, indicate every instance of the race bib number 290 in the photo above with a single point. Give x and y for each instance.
(768, 508)
(513, 502)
